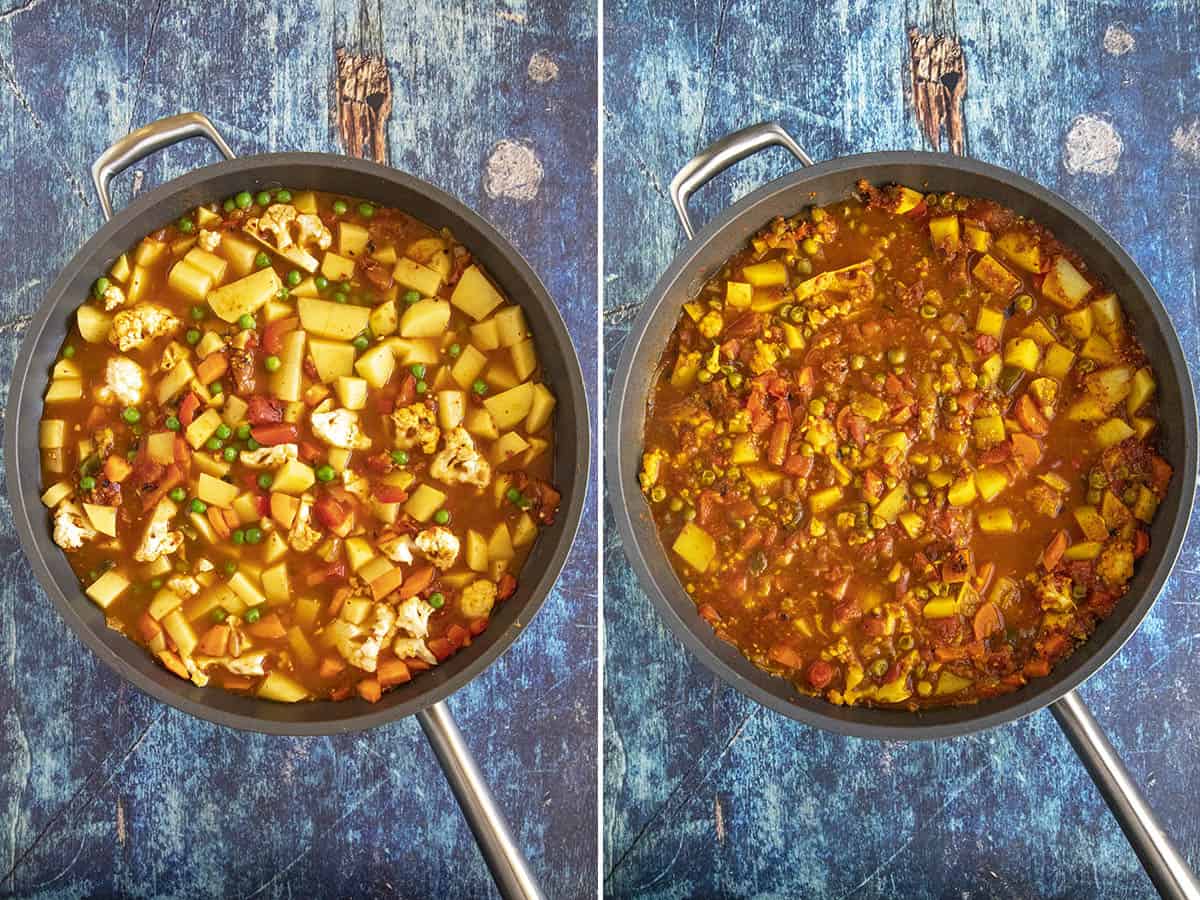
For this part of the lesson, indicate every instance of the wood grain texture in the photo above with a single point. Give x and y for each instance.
(939, 84)
(104, 792)
(708, 794)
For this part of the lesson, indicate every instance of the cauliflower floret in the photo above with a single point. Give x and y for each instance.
(459, 461)
(269, 457)
(159, 540)
(413, 616)
(183, 585)
(357, 485)
(413, 648)
(123, 382)
(276, 219)
(208, 240)
(477, 599)
(383, 625)
(173, 354)
(1115, 565)
(113, 297)
(1054, 593)
(339, 428)
(397, 548)
(199, 678)
(416, 424)
(204, 565)
(134, 328)
(303, 537)
(439, 545)
(70, 527)
(711, 324)
(310, 229)
(248, 664)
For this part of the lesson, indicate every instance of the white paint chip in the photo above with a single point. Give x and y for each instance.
(513, 171)
(542, 68)
(1117, 40)
(1186, 141)
(1093, 146)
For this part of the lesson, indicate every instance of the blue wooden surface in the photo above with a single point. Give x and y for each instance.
(708, 794)
(105, 792)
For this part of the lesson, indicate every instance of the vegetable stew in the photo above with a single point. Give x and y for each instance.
(903, 449)
(298, 445)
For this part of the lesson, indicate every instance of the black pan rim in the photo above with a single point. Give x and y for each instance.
(626, 501)
(35, 538)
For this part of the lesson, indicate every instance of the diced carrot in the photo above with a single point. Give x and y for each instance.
(339, 597)
(1030, 416)
(217, 519)
(215, 641)
(506, 586)
(389, 493)
(987, 622)
(1026, 450)
(174, 664)
(1141, 543)
(441, 648)
(183, 453)
(149, 628)
(171, 477)
(271, 435)
(386, 583)
(1037, 668)
(331, 667)
(1054, 550)
(272, 338)
(477, 626)
(393, 671)
(269, 627)
(231, 518)
(370, 690)
(233, 682)
(116, 469)
(458, 636)
(786, 656)
(187, 408)
(212, 367)
(417, 581)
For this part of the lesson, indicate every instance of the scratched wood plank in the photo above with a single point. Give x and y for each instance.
(105, 792)
(707, 794)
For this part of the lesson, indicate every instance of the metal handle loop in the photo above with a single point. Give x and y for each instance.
(1163, 862)
(146, 140)
(501, 852)
(723, 153)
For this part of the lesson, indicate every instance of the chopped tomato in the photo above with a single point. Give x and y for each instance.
(272, 435)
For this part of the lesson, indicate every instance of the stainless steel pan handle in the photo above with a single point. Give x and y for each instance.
(723, 153)
(146, 140)
(503, 855)
(1164, 863)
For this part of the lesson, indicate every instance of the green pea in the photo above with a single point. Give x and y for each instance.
(215, 388)
(254, 535)
(422, 387)
(253, 615)
(230, 454)
(68, 351)
(199, 506)
(418, 370)
(441, 517)
(513, 495)
(400, 457)
(366, 210)
(282, 294)
(437, 600)
(454, 350)
(186, 225)
(230, 566)
(479, 387)
(252, 444)
(229, 205)
(156, 583)
(243, 431)
(173, 423)
(192, 336)
(339, 297)
(87, 483)
(272, 363)
(321, 282)
(294, 277)
(102, 284)
(214, 443)
(265, 480)
(283, 195)
(239, 537)
(245, 321)
(218, 615)
(412, 296)
(177, 494)
(362, 342)
(262, 198)
(131, 415)
(326, 473)
(262, 260)
(199, 312)
(223, 431)
(339, 207)
(243, 200)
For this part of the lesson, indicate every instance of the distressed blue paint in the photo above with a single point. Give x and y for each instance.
(103, 791)
(1009, 813)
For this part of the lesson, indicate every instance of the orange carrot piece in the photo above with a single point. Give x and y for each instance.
(215, 641)
(1054, 550)
(393, 671)
(116, 469)
(331, 667)
(370, 690)
(174, 664)
(212, 367)
(269, 627)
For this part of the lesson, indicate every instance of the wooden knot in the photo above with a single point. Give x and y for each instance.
(939, 84)
(364, 102)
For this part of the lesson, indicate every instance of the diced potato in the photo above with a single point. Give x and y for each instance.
(333, 359)
(507, 446)
(214, 265)
(239, 252)
(978, 238)
(994, 521)
(1086, 409)
(164, 602)
(893, 503)
(376, 366)
(202, 428)
(1091, 523)
(1080, 322)
(1112, 432)
(524, 531)
(189, 280)
(738, 293)
(283, 508)
(524, 358)
(103, 518)
(275, 549)
(244, 296)
(138, 280)
(386, 255)
(161, 447)
(211, 342)
(479, 423)
(475, 552)
(120, 269)
(424, 502)
(468, 367)
(695, 546)
(305, 202)
(240, 583)
(282, 688)
(990, 482)
(93, 324)
(288, 380)
(149, 251)
(358, 553)
(234, 410)
(352, 392)
(1084, 550)
(52, 433)
(293, 477)
(990, 321)
(1020, 249)
(276, 585)
(485, 335)
(912, 523)
(1141, 390)
(541, 407)
(765, 274)
(425, 281)
(425, 318)
(500, 546)
(511, 406)
(174, 382)
(415, 350)
(962, 492)
(1022, 353)
(1110, 386)
(510, 326)
(66, 368)
(215, 492)
(105, 590)
(1064, 284)
(820, 501)
(500, 377)
(1098, 349)
(1106, 313)
(181, 631)
(327, 319)
(992, 275)
(246, 508)
(1037, 332)
(56, 494)
(452, 408)
(1057, 361)
(475, 295)
(384, 319)
(1145, 505)
(944, 233)
(336, 267)
(352, 238)
(1142, 426)
(989, 431)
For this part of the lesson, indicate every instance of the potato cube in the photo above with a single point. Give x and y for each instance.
(215, 492)
(424, 502)
(416, 277)
(992, 275)
(103, 518)
(510, 326)
(475, 295)
(1022, 353)
(202, 428)
(452, 407)
(962, 492)
(1065, 285)
(276, 585)
(485, 335)
(996, 521)
(475, 552)
(511, 406)
(990, 482)
(293, 477)
(765, 274)
(1058, 361)
(64, 390)
(244, 296)
(990, 322)
(189, 280)
(738, 294)
(336, 267)
(1112, 432)
(332, 359)
(695, 546)
(500, 545)
(93, 324)
(105, 590)
(944, 233)
(1141, 390)
(352, 392)
(524, 531)
(283, 508)
(352, 239)
(339, 321)
(468, 367)
(425, 318)
(479, 423)
(282, 688)
(376, 366)
(1020, 249)
(384, 319)
(288, 380)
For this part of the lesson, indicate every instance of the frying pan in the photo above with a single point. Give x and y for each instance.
(825, 183)
(423, 696)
